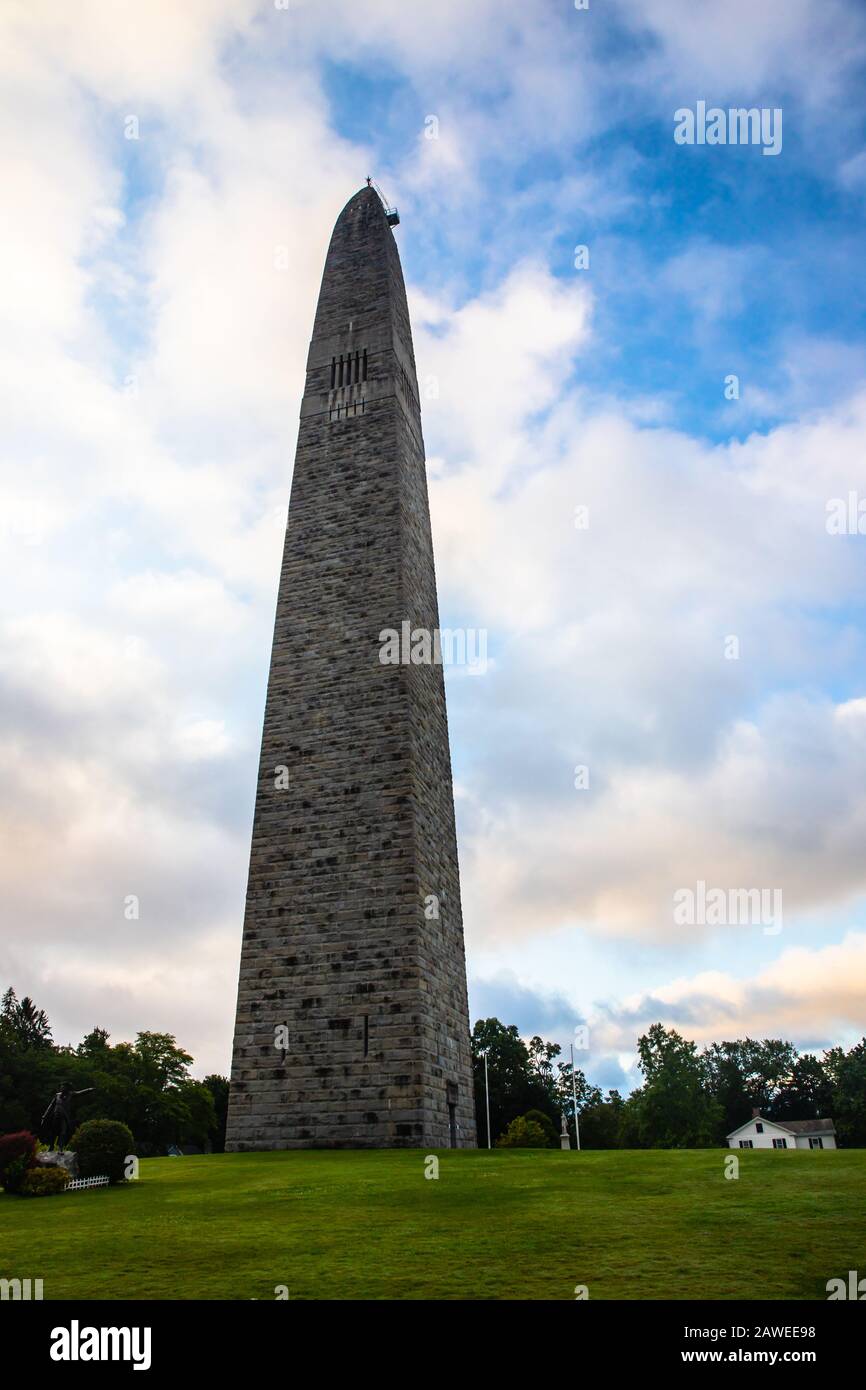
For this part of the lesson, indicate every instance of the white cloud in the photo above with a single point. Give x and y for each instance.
(712, 279)
(516, 345)
(610, 642)
(816, 992)
(852, 174)
(142, 527)
(756, 52)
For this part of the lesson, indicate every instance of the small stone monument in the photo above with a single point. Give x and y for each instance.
(564, 1139)
(64, 1158)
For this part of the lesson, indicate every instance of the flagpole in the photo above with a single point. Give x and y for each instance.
(574, 1096)
(487, 1097)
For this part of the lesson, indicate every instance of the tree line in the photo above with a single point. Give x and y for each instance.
(689, 1098)
(145, 1084)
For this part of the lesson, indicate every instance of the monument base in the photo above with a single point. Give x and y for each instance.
(59, 1158)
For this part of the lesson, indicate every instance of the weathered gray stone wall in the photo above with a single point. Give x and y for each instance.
(337, 946)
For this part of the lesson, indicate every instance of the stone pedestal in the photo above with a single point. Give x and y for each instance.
(59, 1158)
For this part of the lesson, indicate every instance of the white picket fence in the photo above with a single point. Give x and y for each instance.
(78, 1183)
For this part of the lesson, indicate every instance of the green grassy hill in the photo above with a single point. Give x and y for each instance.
(508, 1224)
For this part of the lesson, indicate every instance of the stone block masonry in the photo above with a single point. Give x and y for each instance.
(352, 1020)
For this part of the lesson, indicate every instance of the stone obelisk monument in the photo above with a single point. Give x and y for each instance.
(352, 1022)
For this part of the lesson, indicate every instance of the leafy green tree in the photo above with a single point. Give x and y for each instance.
(546, 1125)
(219, 1089)
(601, 1121)
(673, 1110)
(541, 1059)
(748, 1075)
(94, 1045)
(145, 1085)
(159, 1100)
(586, 1094)
(29, 1026)
(519, 1079)
(806, 1094)
(30, 1066)
(726, 1081)
(771, 1064)
(633, 1133)
(523, 1133)
(160, 1062)
(199, 1123)
(847, 1073)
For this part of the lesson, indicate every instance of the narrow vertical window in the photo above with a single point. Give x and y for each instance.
(366, 1034)
(364, 366)
(333, 372)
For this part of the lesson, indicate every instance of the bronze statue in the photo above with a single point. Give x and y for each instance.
(57, 1120)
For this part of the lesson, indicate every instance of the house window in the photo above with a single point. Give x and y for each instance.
(746, 1144)
(759, 1129)
(816, 1143)
(780, 1143)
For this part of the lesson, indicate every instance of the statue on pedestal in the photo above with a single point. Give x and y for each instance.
(57, 1120)
(564, 1140)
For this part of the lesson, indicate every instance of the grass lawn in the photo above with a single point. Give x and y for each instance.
(502, 1225)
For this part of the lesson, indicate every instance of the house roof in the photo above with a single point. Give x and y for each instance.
(809, 1126)
(790, 1126)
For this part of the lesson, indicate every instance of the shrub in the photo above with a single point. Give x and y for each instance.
(17, 1154)
(523, 1133)
(15, 1173)
(546, 1124)
(43, 1181)
(102, 1147)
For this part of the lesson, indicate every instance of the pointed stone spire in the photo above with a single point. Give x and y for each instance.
(352, 1023)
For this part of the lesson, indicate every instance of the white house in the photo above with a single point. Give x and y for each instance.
(758, 1133)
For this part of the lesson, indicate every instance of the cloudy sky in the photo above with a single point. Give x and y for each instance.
(604, 502)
